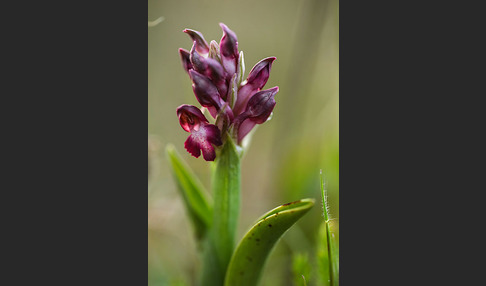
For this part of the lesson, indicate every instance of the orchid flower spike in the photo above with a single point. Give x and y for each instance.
(216, 71)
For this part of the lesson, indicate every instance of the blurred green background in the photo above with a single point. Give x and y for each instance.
(286, 153)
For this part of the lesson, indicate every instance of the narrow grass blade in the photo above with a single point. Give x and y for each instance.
(332, 232)
(196, 201)
(254, 248)
(323, 266)
(329, 240)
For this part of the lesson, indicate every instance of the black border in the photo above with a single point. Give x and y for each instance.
(410, 125)
(409, 142)
(78, 76)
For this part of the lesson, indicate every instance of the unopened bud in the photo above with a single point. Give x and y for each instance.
(201, 44)
(185, 58)
(229, 50)
(260, 73)
(205, 91)
(261, 105)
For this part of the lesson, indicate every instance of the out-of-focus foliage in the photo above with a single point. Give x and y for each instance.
(286, 153)
(198, 204)
(301, 269)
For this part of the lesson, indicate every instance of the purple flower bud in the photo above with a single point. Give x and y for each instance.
(211, 69)
(257, 111)
(260, 73)
(256, 80)
(216, 73)
(185, 58)
(206, 92)
(201, 44)
(229, 50)
(197, 60)
(203, 135)
(261, 105)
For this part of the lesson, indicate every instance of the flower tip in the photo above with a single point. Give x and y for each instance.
(185, 58)
(228, 31)
(201, 44)
(184, 53)
(273, 91)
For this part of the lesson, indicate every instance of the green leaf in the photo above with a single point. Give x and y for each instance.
(254, 248)
(221, 239)
(196, 201)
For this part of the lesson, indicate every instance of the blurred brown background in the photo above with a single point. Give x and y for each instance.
(286, 153)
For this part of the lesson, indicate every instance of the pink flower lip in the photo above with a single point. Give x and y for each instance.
(203, 135)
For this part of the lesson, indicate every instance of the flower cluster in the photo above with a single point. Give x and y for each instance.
(216, 71)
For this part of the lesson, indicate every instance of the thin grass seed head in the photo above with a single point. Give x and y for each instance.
(325, 204)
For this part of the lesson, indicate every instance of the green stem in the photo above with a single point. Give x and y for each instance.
(221, 239)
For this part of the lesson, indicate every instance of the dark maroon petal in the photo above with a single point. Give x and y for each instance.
(190, 117)
(197, 60)
(203, 139)
(213, 111)
(244, 94)
(185, 58)
(261, 105)
(245, 128)
(206, 92)
(208, 152)
(212, 134)
(229, 42)
(260, 73)
(229, 50)
(201, 44)
(192, 147)
(216, 73)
